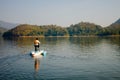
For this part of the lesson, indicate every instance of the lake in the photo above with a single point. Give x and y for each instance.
(74, 58)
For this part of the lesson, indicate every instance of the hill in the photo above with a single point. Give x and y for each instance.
(7, 25)
(113, 29)
(34, 30)
(84, 28)
(79, 29)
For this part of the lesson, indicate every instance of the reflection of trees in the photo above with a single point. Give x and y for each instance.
(85, 41)
(20, 41)
(114, 40)
(55, 40)
(26, 41)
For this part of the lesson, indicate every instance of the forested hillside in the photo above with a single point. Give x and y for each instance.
(113, 29)
(84, 28)
(34, 30)
(80, 29)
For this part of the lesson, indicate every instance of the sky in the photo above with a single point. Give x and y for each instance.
(60, 12)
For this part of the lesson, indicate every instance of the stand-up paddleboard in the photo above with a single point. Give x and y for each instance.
(38, 53)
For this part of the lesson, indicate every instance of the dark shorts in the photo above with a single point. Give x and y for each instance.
(36, 47)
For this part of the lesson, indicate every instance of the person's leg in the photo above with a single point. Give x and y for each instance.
(38, 47)
(35, 48)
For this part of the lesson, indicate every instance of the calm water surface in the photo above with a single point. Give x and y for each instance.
(86, 58)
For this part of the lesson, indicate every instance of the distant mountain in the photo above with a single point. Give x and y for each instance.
(7, 25)
(116, 22)
(2, 30)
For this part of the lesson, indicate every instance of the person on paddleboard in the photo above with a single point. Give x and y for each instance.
(36, 44)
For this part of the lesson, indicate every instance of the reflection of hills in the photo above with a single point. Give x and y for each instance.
(21, 41)
(114, 40)
(85, 41)
(55, 40)
(26, 41)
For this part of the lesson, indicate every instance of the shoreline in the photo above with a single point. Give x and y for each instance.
(68, 36)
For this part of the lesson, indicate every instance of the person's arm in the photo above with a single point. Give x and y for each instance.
(38, 42)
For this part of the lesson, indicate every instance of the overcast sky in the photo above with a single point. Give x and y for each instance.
(60, 12)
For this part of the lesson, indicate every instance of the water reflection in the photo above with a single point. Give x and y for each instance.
(36, 68)
(85, 41)
(114, 40)
(82, 40)
(37, 64)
